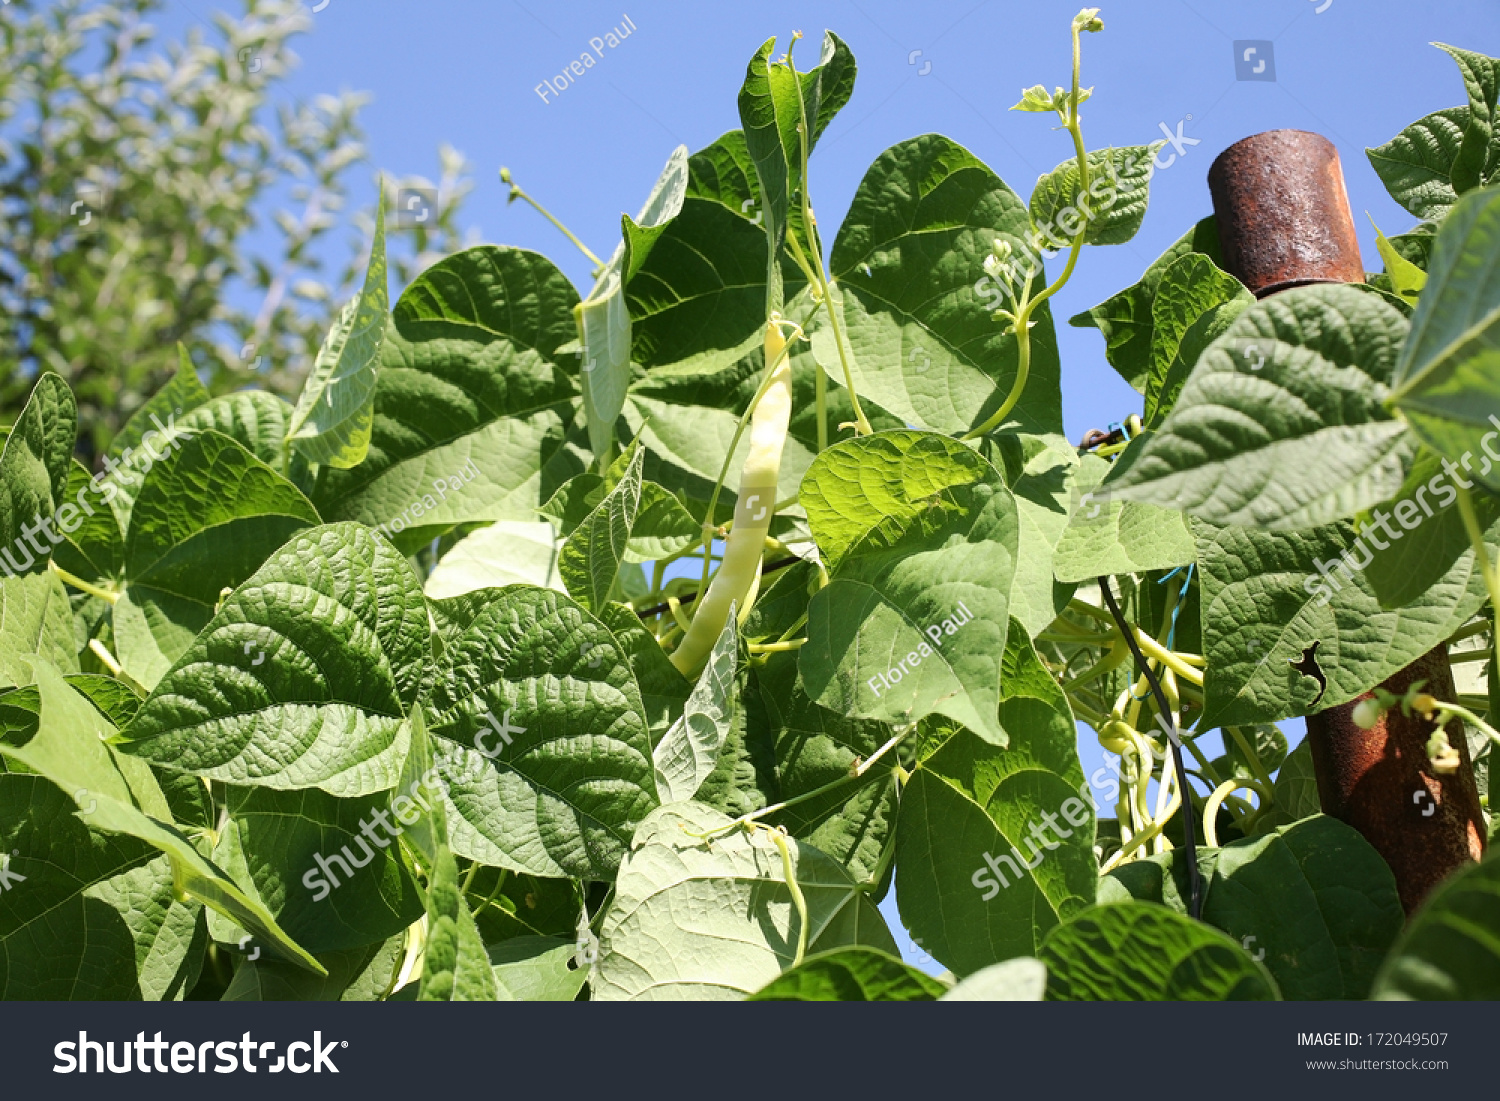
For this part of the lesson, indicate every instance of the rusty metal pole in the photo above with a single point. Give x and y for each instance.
(1284, 222)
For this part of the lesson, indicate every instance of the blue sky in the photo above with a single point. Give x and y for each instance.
(465, 72)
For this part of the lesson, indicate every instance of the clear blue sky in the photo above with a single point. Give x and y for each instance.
(465, 72)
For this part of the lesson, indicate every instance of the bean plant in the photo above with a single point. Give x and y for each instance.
(637, 643)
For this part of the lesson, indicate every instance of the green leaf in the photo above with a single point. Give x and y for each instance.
(95, 549)
(88, 915)
(920, 536)
(973, 817)
(604, 318)
(1019, 980)
(69, 751)
(1479, 154)
(473, 403)
(536, 969)
(1137, 951)
(664, 690)
(332, 884)
(1283, 424)
(971, 812)
(1106, 537)
(1451, 949)
(1296, 788)
(1433, 538)
(1312, 900)
(35, 620)
(34, 470)
(336, 410)
(771, 102)
(1195, 303)
(851, 975)
(1407, 279)
(508, 906)
(203, 522)
(916, 304)
(304, 677)
(1127, 319)
(1043, 494)
(357, 975)
(537, 724)
(1445, 383)
(1112, 211)
(1267, 597)
(689, 753)
(508, 552)
(1416, 165)
(714, 920)
(258, 420)
(591, 558)
(456, 967)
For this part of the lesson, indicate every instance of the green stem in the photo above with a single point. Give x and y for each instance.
(83, 586)
(1482, 556)
(517, 193)
(1256, 764)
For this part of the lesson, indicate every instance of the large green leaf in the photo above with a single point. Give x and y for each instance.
(456, 967)
(916, 303)
(69, 750)
(537, 723)
(87, 915)
(1137, 951)
(1267, 597)
(332, 884)
(203, 522)
(507, 552)
(336, 410)
(1195, 303)
(474, 400)
(1311, 900)
(604, 318)
(1127, 320)
(714, 920)
(1451, 949)
(1447, 383)
(851, 975)
(1109, 537)
(980, 876)
(687, 756)
(1416, 165)
(591, 558)
(536, 969)
(1283, 424)
(1114, 207)
(920, 538)
(304, 677)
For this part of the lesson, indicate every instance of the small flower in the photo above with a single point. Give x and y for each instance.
(1445, 759)
(1367, 713)
(1088, 20)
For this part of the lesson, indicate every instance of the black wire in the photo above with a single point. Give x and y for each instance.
(1195, 905)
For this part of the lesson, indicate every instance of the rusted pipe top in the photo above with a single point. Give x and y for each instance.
(1283, 212)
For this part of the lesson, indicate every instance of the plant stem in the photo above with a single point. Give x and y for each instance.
(1482, 556)
(517, 193)
(1028, 306)
(83, 586)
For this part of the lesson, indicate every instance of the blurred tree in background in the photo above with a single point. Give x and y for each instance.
(131, 175)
